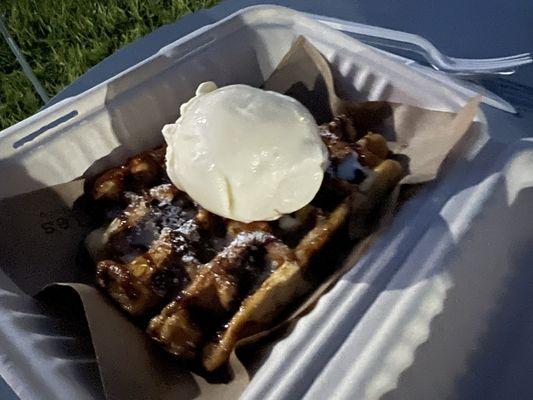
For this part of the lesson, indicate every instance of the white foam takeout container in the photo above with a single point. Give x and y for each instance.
(363, 333)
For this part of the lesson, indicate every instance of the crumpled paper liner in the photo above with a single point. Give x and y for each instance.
(131, 366)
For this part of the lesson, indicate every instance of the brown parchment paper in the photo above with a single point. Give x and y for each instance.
(45, 231)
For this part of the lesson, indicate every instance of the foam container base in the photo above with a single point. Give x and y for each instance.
(366, 331)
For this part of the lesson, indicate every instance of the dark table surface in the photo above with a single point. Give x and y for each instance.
(460, 28)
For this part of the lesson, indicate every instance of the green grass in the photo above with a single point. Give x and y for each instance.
(61, 39)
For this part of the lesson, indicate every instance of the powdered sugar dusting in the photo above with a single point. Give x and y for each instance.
(246, 240)
(163, 193)
(190, 230)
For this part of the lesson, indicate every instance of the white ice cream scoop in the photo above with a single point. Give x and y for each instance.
(245, 153)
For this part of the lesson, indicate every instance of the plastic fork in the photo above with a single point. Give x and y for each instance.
(410, 42)
(466, 87)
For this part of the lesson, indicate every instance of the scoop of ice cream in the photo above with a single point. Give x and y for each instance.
(245, 153)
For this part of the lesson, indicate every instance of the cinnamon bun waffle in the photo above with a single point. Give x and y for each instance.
(199, 282)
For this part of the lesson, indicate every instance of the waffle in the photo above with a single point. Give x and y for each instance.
(199, 282)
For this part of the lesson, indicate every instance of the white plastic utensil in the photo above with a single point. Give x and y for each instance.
(407, 41)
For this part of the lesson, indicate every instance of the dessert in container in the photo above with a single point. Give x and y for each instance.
(363, 333)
